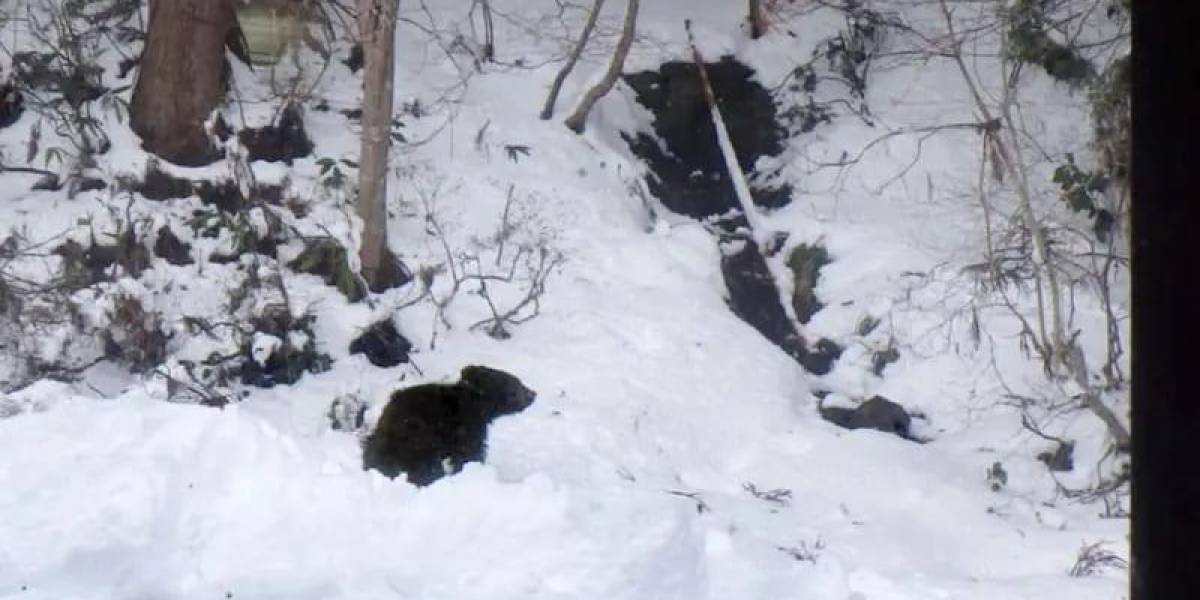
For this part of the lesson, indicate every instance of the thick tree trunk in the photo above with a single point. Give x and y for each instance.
(181, 79)
(579, 117)
(377, 23)
(548, 109)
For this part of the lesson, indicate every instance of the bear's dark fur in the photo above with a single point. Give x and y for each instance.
(428, 431)
(878, 413)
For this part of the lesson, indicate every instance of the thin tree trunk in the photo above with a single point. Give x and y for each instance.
(740, 187)
(489, 33)
(548, 109)
(1058, 352)
(757, 24)
(377, 24)
(1076, 364)
(577, 119)
(181, 78)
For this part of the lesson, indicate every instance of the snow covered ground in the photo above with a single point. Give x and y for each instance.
(672, 452)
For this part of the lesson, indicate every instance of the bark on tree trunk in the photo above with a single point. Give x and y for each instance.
(489, 33)
(757, 24)
(579, 117)
(181, 79)
(377, 24)
(548, 109)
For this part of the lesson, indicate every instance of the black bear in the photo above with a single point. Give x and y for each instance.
(878, 413)
(431, 430)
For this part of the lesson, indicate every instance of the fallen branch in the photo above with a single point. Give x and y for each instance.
(741, 188)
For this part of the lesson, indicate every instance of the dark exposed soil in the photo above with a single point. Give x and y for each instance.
(689, 176)
(280, 142)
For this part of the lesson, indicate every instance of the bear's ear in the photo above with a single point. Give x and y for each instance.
(470, 374)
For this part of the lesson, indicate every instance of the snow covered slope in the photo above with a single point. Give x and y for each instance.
(672, 452)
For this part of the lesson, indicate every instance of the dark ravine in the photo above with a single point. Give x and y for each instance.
(689, 172)
(689, 176)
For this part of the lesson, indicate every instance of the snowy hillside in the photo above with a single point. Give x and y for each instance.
(673, 451)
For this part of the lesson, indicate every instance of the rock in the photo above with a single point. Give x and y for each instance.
(431, 430)
(820, 359)
(279, 142)
(1061, 459)
(170, 248)
(878, 413)
(383, 345)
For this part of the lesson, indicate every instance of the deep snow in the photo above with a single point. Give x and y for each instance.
(657, 409)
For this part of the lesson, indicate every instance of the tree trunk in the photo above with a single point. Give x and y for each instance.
(377, 23)
(757, 25)
(548, 109)
(579, 117)
(1057, 351)
(489, 33)
(181, 79)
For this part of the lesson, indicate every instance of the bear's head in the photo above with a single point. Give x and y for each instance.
(499, 393)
